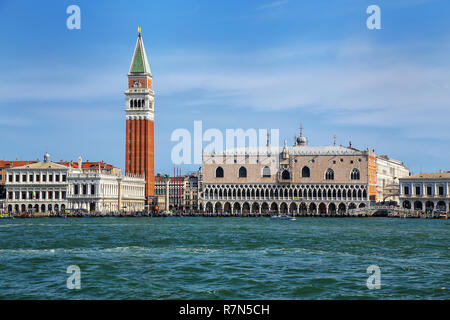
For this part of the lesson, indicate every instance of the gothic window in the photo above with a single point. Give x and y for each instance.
(305, 172)
(285, 175)
(355, 174)
(266, 172)
(219, 172)
(242, 172)
(329, 175)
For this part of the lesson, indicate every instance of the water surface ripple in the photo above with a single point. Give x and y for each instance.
(224, 258)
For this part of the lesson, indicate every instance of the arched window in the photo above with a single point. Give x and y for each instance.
(285, 175)
(329, 175)
(305, 172)
(266, 172)
(219, 172)
(242, 172)
(355, 174)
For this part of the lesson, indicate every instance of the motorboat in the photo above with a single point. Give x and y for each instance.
(283, 217)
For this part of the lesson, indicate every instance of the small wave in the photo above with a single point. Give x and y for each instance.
(28, 251)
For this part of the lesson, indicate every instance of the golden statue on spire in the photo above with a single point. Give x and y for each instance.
(139, 29)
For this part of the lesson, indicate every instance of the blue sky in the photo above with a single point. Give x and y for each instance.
(231, 64)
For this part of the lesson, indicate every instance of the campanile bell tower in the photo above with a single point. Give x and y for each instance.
(140, 135)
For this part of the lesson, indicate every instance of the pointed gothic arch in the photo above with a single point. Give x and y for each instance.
(355, 174)
(219, 172)
(242, 172)
(329, 174)
(306, 172)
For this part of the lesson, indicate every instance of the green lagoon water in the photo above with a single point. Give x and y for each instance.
(224, 258)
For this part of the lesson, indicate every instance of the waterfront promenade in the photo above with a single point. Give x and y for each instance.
(391, 212)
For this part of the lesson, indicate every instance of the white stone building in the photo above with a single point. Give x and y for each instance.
(389, 171)
(426, 192)
(37, 187)
(46, 186)
(101, 192)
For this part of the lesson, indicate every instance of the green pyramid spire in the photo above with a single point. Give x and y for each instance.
(140, 63)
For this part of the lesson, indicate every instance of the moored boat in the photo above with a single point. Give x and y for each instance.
(283, 217)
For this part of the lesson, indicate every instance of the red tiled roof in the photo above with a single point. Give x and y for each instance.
(16, 163)
(89, 165)
(85, 165)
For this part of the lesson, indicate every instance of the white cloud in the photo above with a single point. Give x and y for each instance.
(351, 82)
(272, 4)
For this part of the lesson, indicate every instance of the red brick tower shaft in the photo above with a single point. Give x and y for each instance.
(140, 128)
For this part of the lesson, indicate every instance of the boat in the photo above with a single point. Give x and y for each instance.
(166, 214)
(443, 216)
(283, 217)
